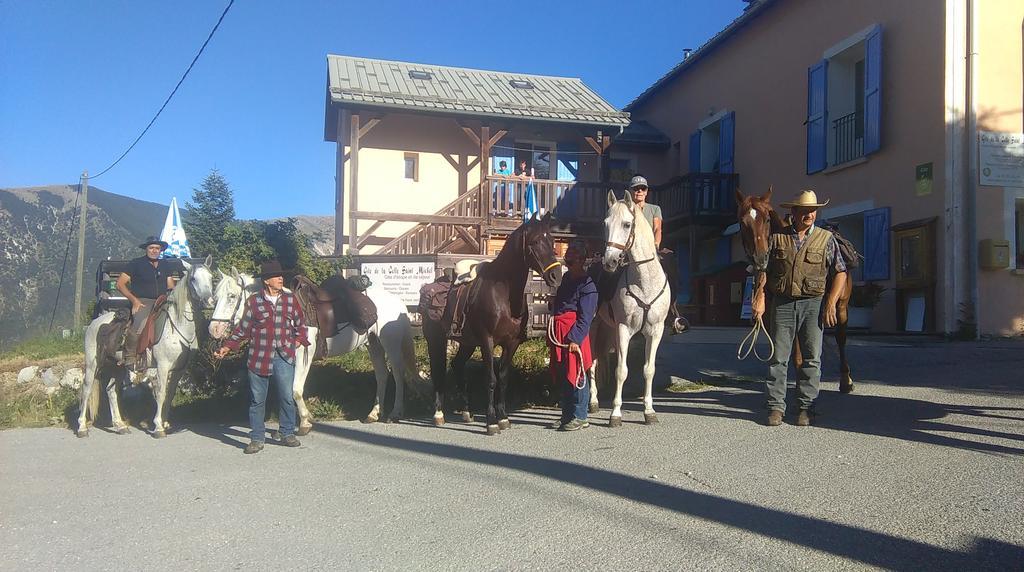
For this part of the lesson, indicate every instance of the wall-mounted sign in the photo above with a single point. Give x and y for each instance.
(1001, 158)
(402, 279)
(923, 179)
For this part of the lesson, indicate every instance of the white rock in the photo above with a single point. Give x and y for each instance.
(28, 374)
(73, 378)
(50, 390)
(51, 378)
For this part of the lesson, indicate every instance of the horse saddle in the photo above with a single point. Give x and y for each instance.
(154, 327)
(110, 337)
(338, 300)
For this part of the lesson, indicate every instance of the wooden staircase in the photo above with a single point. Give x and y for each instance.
(435, 237)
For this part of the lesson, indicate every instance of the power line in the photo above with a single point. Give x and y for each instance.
(67, 249)
(175, 90)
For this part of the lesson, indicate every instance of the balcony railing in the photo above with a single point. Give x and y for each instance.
(695, 194)
(849, 138)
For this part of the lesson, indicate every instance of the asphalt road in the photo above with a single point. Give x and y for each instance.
(920, 468)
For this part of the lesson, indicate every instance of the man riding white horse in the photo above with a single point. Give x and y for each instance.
(145, 280)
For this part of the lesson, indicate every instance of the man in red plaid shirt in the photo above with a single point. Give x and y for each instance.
(274, 325)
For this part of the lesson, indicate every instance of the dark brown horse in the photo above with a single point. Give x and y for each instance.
(758, 220)
(496, 315)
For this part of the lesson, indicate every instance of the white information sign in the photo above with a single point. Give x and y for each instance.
(1001, 157)
(402, 279)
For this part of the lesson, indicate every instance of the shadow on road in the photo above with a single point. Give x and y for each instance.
(859, 544)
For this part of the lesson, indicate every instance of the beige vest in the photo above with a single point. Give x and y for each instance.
(798, 274)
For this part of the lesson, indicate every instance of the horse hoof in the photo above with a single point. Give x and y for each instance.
(846, 387)
(303, 430)
(504, 424)
(82, 433)
(467, 417)
(393, 420)
(493, 429)
(650, 418)
(123, 431)
(159, 434)
(370, 420)
(594, 408)
(438, 421)
(615, 422)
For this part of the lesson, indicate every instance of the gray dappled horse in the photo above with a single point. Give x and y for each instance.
(171, 354)
(640, 302)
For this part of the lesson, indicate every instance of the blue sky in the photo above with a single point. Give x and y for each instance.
(80, 79)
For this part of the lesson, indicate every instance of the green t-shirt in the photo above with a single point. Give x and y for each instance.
(651, 212)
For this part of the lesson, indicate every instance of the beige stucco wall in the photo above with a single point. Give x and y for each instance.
(382, 186)
(1000, 99)
(761, 75)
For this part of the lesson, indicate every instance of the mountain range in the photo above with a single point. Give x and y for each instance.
(35, 225)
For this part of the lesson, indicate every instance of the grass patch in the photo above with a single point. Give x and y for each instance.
(46, 346)
(30, 406)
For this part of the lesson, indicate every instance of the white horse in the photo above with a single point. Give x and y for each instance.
(170, 355)
(388, 341)
(640, 304)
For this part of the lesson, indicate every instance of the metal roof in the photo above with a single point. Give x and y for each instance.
(749, 13)
(373, 83)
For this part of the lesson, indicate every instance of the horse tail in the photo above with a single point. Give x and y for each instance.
(94, 399)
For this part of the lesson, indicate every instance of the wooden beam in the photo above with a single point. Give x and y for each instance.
(472, 136)
(464, 235)
(497, 137)
(593, 145)
(369, 126)
(451, 161)
(369, 234)
(353, 203)
(339, 184)
(412, 217)
(472, 164)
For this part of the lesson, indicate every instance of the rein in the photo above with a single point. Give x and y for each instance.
(645, 306)
(748, 344)
(581, 377)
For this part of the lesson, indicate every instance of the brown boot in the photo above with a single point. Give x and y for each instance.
(132, 360)
(804, 419)
(774, 418)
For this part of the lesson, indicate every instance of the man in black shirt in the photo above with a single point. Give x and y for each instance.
(146, 278)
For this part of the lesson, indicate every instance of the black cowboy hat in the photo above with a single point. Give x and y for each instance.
(272, 268)
(154, 240)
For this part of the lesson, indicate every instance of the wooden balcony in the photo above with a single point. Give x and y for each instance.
(498, 205)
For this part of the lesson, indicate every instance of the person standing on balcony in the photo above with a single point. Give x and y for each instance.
(501, 188)
(802, 260)
(525, 173)
(639, 189)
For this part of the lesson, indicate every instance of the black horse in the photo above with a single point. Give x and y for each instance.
(496, 315)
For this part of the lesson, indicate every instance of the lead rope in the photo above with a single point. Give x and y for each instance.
(755, 332)
(581, 377)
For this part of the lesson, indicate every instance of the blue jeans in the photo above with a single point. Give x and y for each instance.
(282, 374)
(575, 402)
(800, 319)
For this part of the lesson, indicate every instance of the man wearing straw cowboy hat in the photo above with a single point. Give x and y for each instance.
(802, 259)
(145, 279)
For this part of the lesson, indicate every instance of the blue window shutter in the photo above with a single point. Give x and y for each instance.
(876, 244)
(723, 254)
(727, 143)
(817, 116)
(695, 151)
(683, 256)
(873, 92)
(568, 161)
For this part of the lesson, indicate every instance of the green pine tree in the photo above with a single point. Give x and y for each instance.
(210, 211)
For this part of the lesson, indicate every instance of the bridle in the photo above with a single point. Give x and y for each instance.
(238, 304)
(623, 261)
(529, 252)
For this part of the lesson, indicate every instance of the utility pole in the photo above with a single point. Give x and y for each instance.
(80, 265)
